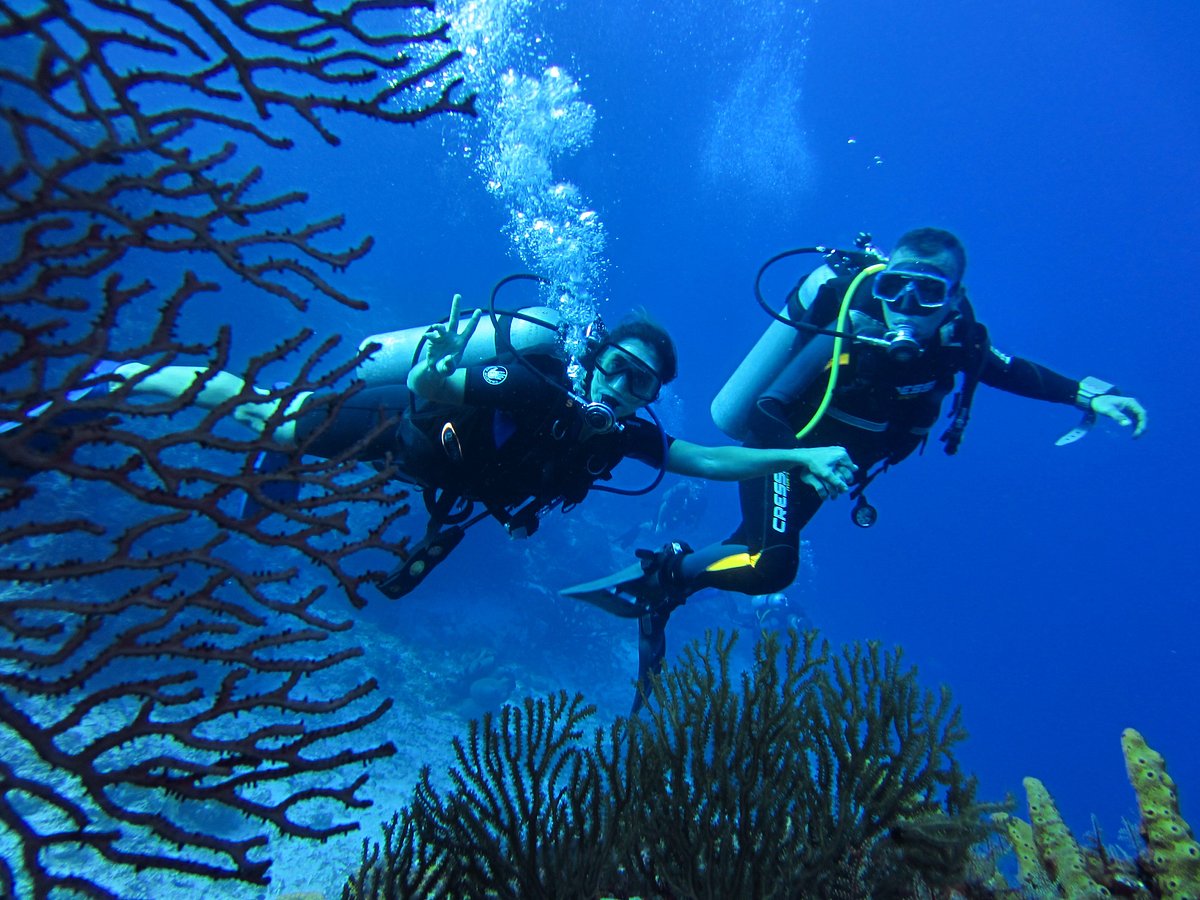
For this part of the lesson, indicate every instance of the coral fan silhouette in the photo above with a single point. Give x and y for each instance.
(815, 775)
(141, 624)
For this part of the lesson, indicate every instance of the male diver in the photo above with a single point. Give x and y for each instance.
(507, 433)
(877, 354)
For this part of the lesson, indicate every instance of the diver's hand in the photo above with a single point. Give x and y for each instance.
(1122, 410)
(445, 344)
(829, 470)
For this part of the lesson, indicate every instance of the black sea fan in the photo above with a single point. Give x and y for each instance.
(813, 774)
(167, 698)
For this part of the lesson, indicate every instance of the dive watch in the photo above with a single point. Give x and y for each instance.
(1091, 388)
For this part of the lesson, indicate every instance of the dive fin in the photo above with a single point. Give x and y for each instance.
(47, 442)
(606, 592)
(430, 551)
(99, 370)
(105, 367)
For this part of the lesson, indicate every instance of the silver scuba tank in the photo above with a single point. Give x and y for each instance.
(732, 407)
(397, 353)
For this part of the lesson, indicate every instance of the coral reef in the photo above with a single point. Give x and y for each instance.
(1172, 859)
(816, 775)
(167, 697)
(1052, 864)
(525, 811)
(1055, 848)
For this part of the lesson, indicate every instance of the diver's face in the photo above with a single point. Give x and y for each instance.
(911, 307)
(625, 377)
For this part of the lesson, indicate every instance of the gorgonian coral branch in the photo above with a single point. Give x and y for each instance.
(813, 774)
(160, 650)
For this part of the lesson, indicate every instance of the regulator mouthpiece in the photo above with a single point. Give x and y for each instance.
(902, 344)
(599, 417)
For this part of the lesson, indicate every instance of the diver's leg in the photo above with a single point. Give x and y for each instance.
(763, 555)
(219, 387)
(652, 647)
(760, 558)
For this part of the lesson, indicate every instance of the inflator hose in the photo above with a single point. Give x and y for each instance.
(835, 362)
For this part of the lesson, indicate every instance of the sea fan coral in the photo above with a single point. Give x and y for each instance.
(167, 697)
(814, 775)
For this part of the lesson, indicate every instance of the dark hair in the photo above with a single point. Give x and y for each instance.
(931, 242)
(643, 328)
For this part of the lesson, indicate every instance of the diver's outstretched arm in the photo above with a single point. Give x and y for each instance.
(828, 470)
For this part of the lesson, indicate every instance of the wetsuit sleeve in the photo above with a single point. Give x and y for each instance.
(1028, 379)
(646, 442)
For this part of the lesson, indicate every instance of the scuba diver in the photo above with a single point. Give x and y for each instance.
(868, 355)
(758, 614)
(775, 612)
(484, 412)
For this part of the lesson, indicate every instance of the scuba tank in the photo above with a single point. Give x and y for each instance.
(733, 405)
(779, 344)
(501, 334)
(532, 330)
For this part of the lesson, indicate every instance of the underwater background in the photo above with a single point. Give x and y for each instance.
(1052, 589)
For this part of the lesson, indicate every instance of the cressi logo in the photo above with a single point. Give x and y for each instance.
(779, 514)
(495, 374)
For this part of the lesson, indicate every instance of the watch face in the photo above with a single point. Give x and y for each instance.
(1094, 387)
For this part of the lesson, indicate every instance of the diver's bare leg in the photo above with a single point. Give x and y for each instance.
(221, 387)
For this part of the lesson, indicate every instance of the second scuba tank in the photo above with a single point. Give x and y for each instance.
(732, 407)
(533, 329)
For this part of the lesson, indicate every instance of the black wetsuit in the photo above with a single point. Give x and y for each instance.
(882, 410)
(516, 440)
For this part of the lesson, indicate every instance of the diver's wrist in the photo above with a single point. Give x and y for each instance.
(1089, 389)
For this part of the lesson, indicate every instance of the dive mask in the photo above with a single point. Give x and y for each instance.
(912, 293)
(641, 381)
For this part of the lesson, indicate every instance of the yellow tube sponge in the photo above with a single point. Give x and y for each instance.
(1020, 835)
(1174, 853)
(1060, 855)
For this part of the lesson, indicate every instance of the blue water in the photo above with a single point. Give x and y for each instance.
(1052, 589)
